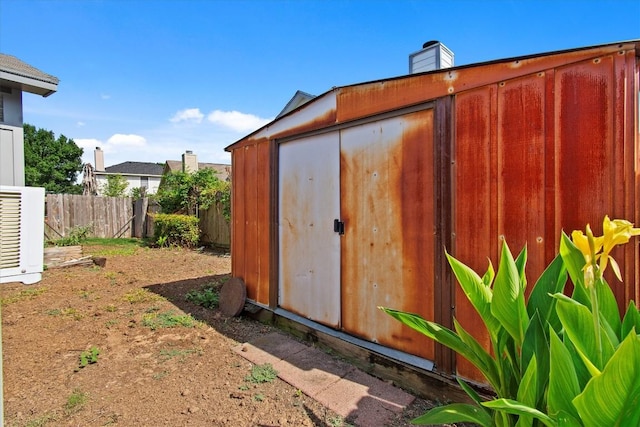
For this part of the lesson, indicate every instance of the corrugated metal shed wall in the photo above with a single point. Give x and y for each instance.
(538, 154)
(250, 233)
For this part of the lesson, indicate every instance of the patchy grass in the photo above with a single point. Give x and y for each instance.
(69, 312)
(75, 402)
(166, 355)
(24, 294)
(167, 319)
(139, 296)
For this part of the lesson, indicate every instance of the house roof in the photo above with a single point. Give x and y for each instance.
(134, 168)
(298, 99)
(17, 73)
(224, 170)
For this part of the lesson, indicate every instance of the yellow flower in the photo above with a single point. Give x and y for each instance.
(588, 244)
(616, 232)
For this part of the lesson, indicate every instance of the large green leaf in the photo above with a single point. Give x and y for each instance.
(527, 392)
(536, 345)
(565, 420)
(455, 413)
(613, 398)
(631, 320)
(563, 382)
(608, 306)
(439, 333)
(552, 280)
(514, 407)
(577, 321)
(478, 294)
(490, 370)
(521, 262)
(508, 297)
(489, 275)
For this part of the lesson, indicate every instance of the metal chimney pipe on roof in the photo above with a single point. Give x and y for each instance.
(433, 56)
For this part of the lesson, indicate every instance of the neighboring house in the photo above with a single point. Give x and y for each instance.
(138, 174)
(16, 77)
(190, 163)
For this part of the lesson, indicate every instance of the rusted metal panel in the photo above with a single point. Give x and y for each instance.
(537, 155)
(251, 262)
(239, 256)
(591, 173)
(521, 168)
(474, 158)
(250, 219)
(387, 208)
(375, 97)
(263, 219)
(309, 253)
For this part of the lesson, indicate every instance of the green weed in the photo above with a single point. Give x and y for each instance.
(75, 402)
(259, 397)
(208, 297)
(66, 312)
(89, 357)
(167, 320)
(110, 308)
(262, 374)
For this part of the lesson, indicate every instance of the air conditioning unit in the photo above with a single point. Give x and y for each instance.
(21, 234)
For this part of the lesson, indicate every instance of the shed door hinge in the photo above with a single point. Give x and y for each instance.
(338, 226)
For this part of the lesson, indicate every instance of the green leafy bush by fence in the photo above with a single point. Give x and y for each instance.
(176, 230)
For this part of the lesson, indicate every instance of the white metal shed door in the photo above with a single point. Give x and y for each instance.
(309, 249)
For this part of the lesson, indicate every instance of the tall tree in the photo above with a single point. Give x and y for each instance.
(50, 162)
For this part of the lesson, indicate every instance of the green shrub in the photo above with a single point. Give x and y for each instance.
(555, 360)
(176, 230)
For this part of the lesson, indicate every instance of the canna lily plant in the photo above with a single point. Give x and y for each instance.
(555, 360)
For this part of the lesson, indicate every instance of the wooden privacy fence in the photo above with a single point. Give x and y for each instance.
(121, 217)
(107, 216)
(214, 228)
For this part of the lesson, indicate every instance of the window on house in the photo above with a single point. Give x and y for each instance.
(144, 182)
(1, 107)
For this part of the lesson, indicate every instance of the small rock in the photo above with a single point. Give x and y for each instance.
(193, 409)
(185, 393)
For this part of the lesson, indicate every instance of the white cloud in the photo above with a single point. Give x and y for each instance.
(80, 124)
(239, 122)
(127, 140)
(105, 96)
(88, 143)
(188, 115)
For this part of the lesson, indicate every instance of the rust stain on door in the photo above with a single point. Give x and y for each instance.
(387, 208)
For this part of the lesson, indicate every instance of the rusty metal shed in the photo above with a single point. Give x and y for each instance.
(348, 202)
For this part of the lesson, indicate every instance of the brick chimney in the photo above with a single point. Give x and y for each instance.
(189, 162)
(98, 156)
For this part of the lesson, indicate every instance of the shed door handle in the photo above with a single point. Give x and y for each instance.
(338, 226)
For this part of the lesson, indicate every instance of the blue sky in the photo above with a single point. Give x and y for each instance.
(147, 80)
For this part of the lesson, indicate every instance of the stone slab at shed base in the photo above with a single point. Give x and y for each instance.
(361, 398)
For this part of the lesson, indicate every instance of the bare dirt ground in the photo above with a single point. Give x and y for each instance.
(162, 359)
